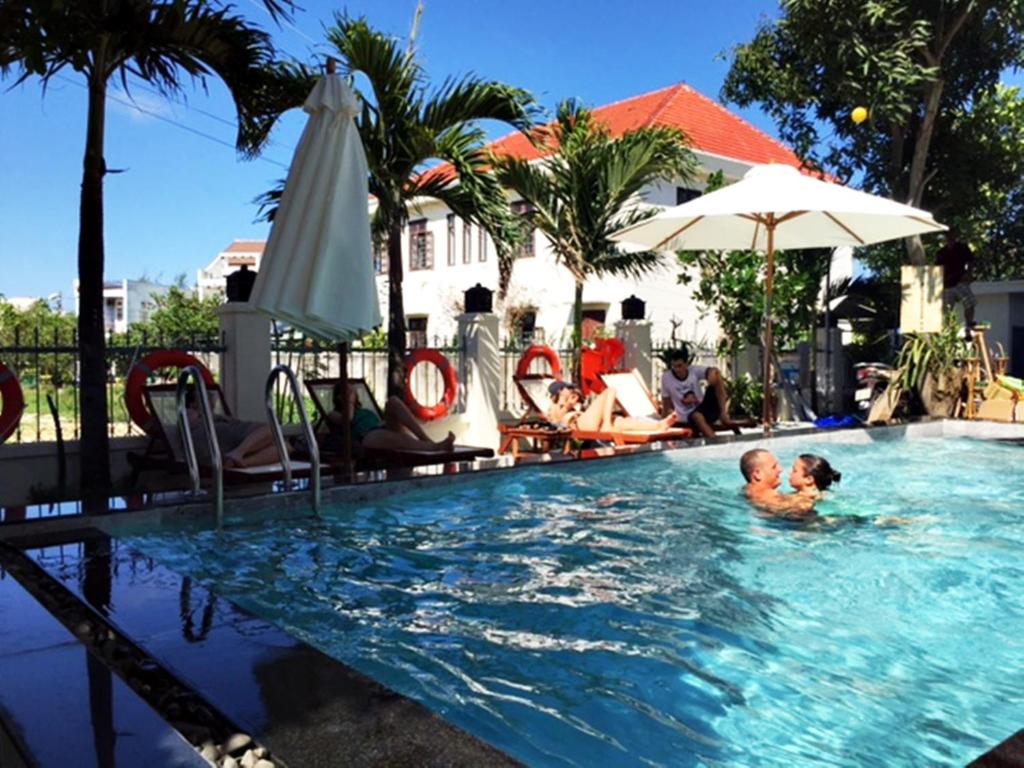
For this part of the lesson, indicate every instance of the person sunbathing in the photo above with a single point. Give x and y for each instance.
(566, 410)
(241, 443)
(811, 476)
(763, 474)
(398, 431)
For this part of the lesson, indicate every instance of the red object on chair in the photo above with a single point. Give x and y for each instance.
(605, 357)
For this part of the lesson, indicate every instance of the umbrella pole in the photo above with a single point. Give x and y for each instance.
(766, 408)
(346, 421)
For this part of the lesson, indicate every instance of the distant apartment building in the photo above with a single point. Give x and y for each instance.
(126, 302)
(211, 280)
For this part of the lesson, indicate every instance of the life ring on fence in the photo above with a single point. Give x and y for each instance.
(13, 402)
(134, 402)
(451, 383)
(539, 350)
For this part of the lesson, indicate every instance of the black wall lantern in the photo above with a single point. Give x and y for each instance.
(633, 308)
(479, 299)
(238, 285)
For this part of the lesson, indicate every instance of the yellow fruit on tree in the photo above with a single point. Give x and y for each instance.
(859, 115)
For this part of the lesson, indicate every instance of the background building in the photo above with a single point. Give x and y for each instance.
(126, 302)
(210, 281)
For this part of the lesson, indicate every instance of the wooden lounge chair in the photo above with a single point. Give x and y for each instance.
(162, 400)
(532, 396)
(533, 428)
(637, 401)
(321, 391)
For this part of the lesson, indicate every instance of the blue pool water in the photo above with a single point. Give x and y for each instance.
(636, 611)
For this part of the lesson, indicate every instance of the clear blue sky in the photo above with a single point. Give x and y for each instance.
(183, 197)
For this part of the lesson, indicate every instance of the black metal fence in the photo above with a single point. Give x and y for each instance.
(47, 367)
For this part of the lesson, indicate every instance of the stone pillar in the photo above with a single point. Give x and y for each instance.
(245, 361)
(480, 378)
(831, 391)
(635, 335)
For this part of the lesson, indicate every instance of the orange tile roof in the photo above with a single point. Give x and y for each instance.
(710, 127)
(246, 246)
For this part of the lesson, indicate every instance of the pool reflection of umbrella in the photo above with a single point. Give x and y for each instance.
(775, 207)
(317, 269)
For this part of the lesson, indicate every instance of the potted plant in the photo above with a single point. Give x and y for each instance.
(931, 364)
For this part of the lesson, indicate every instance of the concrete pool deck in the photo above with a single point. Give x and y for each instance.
(83, 692)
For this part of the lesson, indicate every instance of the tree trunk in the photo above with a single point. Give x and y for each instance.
(577, 331)
(919, 163)
(396, 313)
(95, 444)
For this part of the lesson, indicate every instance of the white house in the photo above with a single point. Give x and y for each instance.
(211, 280)
(126, 302)
(445, 256)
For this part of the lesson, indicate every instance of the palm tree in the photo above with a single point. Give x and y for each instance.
(155, 42)
(403, 126)
(588, 187)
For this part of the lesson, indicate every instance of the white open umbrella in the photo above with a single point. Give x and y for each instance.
(775, 207)
(317, 269)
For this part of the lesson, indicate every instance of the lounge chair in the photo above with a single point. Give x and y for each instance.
(533, 427)
(321, 391)
(637, 401)
(535, 395)
(162, 400)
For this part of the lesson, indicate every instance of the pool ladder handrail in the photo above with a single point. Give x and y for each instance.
(206, 417)
(307, 428)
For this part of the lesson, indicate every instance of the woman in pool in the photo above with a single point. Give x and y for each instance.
(811, 476)
(566, 410)
(399, 431)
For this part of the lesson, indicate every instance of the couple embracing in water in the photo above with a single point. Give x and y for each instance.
(810, 476)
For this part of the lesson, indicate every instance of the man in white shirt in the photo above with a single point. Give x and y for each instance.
(695, 407)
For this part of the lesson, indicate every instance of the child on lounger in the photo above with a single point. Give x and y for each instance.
(566, 410)
(399, 431)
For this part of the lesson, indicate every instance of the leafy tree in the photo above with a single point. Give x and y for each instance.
(588, 188)
(180, 316)
(927, 70)
(38, 325)
(729, 283)
(403, 126)
(156, 42)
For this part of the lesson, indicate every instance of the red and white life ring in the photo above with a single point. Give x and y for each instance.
(13, 402)
(436, 411)
(134, 402)
(535, 351)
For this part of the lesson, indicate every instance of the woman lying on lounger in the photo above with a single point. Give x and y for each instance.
(399, 431)
(597, 417)
(241, 443)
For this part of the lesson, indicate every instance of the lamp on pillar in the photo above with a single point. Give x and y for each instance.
(633, 308)
(479, 299)
(238, 285)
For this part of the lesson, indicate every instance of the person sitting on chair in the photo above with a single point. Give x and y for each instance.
(566, 410)
(399, 430)
(241, 443)
(682, 396)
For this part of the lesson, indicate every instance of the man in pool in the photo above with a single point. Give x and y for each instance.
(763, 474)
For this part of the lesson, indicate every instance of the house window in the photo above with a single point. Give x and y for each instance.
(421, 245)
(467, 242)
(416, 332)
(526, 250)
(451, 239)
(684, 195)
(481, 244)
(528, 327)
(380, 259)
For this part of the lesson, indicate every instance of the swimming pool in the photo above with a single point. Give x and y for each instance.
(636, 611)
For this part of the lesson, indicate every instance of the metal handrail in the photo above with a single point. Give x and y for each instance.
(307, 427)
(192, 372)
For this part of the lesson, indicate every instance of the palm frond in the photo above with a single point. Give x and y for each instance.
(468, 99)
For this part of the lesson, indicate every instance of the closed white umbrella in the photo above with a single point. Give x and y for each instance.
(775, 207)
(317, 270)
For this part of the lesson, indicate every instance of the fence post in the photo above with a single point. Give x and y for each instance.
(245, 359)
(481, 377)
(635, 335)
